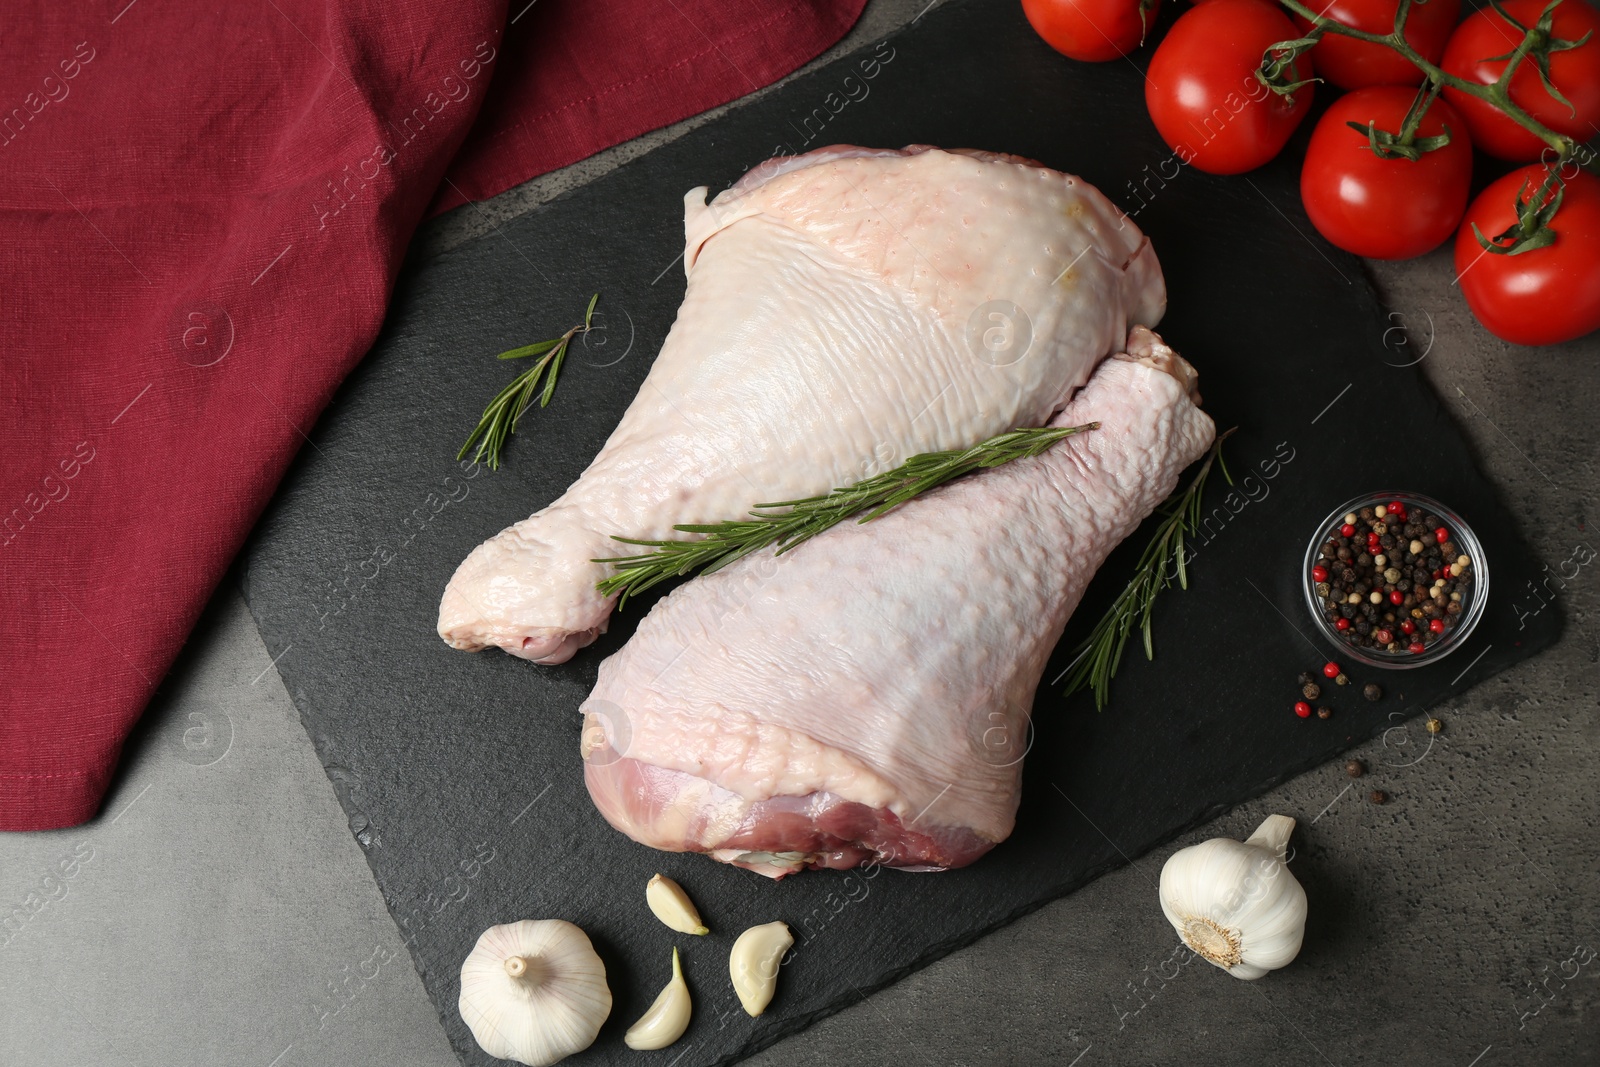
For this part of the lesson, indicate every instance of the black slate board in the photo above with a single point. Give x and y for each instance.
(460, 773)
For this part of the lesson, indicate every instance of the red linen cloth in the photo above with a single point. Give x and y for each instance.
(202, 211)
(573, 94)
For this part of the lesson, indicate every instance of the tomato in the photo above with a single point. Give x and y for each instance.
(1385, 208)
(1575, 72)
(1542, 296)
(1092, 30)
(1352, 64)
(1202, 92)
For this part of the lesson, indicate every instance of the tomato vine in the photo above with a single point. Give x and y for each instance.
(1537, 43)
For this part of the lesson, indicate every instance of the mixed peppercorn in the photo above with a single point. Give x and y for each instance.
(1392, 580)
(1311, 691)
(1372, 691)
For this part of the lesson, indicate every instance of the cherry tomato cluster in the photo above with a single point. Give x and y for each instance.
(1388, 169)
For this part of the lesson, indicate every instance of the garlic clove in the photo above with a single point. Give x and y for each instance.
(665, 1020)
(1273, 835)
(1235, 902)
(753, 964)
(672, 905)
(534, 991)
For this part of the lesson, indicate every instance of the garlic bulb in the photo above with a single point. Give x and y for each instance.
(672, 905)
(1235, 902)
(665, 1020)
(753, 964)
(534, 992)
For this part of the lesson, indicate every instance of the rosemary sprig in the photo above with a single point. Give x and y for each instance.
(721, 543)
(1095, 661)
(500, 418)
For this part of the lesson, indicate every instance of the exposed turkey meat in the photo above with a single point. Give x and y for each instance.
(845, 310)
(866, 695)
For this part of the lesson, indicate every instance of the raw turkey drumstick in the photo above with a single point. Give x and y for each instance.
(865, 696)
(845, 308)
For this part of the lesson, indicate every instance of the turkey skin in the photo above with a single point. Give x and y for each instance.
(865, 696)
(845, 310)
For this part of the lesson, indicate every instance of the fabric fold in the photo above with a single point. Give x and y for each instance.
(203, 215)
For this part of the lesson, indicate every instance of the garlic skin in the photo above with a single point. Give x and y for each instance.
(534, 991)
(665, 1020)
(753, 964)
(672, 906)
(1236, 902)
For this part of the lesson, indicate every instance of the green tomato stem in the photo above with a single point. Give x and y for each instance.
(1419, 108)
(1498, 93)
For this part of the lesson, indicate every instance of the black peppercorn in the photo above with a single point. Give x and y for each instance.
(1324, 713)
(1355, 768)
(1304, 678)
(1379, 796)
(1311, 690)
(1372, 691)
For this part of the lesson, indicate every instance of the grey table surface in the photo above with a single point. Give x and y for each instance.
(218, 911)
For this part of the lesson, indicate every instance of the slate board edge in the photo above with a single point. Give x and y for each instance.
(939, 950)
(795, 1024)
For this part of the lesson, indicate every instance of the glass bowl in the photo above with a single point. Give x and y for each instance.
(1455, 635)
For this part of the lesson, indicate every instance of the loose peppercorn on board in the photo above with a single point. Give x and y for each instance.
(461, 774)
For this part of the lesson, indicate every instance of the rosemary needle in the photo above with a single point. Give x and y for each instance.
(1095, 661)
(500, 418)
(789, 522)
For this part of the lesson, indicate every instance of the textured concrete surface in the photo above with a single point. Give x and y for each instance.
(219, 912)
